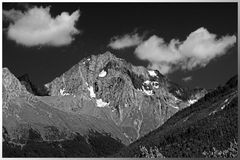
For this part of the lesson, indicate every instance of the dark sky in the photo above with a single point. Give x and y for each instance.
(101, 21)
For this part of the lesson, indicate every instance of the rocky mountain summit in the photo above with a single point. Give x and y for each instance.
(102, 103)
(136, 99)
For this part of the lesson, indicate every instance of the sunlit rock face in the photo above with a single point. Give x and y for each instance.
(12, 88)
(30, 121)
(136, 99)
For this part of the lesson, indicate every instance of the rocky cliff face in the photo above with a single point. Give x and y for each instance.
(134, 98)
(12, 88)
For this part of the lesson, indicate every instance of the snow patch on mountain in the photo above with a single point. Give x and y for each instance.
(152, 73)
(146, 87)
(139, 90)
(148, 92)
(63, 93)
(101, 103)
(155, 84)
(192, 101)
(147, 82)
(103, 73)
(92, 94)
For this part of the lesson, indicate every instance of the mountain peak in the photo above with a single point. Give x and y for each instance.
(124, 92)
(10, 82)
(108, 54)
(5, 71)
(12, 88)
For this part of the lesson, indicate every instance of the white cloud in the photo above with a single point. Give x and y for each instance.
(37, 27)
(153, 48)
(128, 40)
(12, 15)
(186, 79)
(197, 50)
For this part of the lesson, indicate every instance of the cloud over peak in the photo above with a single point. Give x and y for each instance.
(36, 27)
(199, 48)
(127, 40)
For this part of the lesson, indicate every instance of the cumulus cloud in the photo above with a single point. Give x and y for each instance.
(12, 15)
(186, 79)
(199, 48)
(127, 40)
(36, 27)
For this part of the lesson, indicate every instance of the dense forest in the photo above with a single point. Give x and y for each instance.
(208, 128)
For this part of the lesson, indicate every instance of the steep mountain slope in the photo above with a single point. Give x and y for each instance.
(33, 128)
(208, 125)
(134, 98)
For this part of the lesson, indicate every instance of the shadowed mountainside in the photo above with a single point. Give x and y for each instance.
(207, 128)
